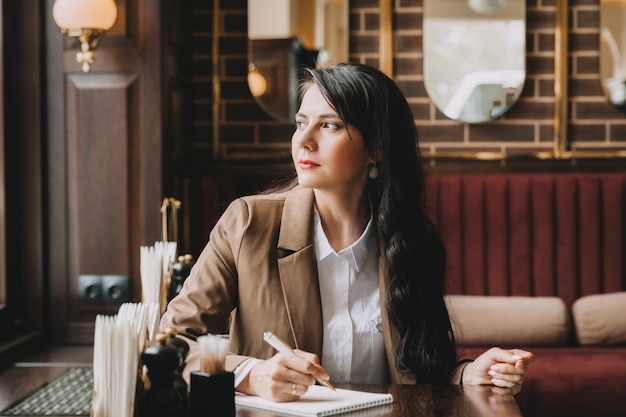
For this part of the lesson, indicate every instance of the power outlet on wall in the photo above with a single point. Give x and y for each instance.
(103, 289)
(90, 289)
(114, 289)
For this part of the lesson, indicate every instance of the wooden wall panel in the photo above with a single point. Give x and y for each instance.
(98, 167)
(104, 153)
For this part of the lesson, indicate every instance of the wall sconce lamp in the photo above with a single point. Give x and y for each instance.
(486, 6)
(256, 81)
(86, 20)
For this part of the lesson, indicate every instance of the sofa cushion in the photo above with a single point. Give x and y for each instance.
(600, 319)
(508, 320)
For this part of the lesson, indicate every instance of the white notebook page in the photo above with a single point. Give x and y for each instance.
(319, 401)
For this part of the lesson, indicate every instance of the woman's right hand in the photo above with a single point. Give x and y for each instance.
(284, 377)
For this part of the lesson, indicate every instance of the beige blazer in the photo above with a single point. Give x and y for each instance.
(260, 264)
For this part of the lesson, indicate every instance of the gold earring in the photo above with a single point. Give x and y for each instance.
(373, 172)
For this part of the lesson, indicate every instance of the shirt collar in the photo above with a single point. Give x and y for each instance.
(356, 254)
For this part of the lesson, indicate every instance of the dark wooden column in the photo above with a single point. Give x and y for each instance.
(21, 236)
(104, 161)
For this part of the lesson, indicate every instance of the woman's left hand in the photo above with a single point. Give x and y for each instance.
(500, 367)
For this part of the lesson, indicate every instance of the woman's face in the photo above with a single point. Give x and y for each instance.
(328, 154)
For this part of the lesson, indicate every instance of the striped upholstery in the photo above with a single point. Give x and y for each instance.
(532, 234)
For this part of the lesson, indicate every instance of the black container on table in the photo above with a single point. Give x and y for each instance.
(212, 394)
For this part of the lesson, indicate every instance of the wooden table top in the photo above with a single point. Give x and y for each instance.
(427, 401)
(409, 401)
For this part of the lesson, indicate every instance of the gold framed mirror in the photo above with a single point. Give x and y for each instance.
(613, 51)
(474, 56)
(283, 37)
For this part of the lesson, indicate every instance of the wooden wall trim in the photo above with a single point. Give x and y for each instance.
(560, 78)
(385, 40)
(3, 236)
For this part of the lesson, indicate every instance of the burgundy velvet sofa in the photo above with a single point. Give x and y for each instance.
(538, 261)
(525, 252)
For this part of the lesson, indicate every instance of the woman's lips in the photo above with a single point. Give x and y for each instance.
(306, 164)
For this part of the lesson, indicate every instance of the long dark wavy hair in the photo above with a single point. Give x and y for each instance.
(415, 254)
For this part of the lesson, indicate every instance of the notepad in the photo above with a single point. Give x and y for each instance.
(319, 401)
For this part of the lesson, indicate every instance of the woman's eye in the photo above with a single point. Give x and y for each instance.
(299, 124)
(331, 125)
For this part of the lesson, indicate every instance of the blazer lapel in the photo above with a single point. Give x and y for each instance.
(297, 267)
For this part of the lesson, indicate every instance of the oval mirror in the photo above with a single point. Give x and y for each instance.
(283, 37)
(613, 51)
(474, 56)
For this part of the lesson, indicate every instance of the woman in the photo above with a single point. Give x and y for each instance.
(346, 266)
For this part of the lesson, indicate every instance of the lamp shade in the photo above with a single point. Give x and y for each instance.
(486, 6)
(84, 14)
(256, 81)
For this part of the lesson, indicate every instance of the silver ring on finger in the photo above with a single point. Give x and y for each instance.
(294, 389)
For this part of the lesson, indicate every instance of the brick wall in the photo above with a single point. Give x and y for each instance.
(246, 132)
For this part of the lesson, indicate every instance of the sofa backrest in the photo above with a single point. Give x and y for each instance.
(532, 234)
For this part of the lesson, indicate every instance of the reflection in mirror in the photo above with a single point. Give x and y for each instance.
(283, 37)
(613, 51)
(474, 56)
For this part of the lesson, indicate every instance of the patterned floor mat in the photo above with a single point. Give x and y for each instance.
(67, 395)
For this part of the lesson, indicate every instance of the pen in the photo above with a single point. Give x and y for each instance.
(278, 344)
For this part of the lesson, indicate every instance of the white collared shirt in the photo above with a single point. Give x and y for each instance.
(353, 350)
